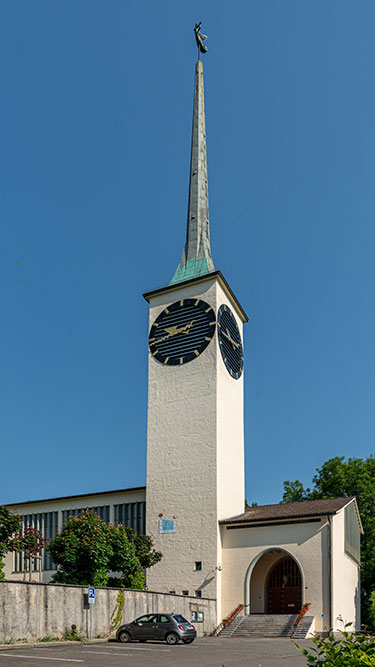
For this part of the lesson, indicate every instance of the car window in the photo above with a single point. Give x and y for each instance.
(179, 618)
(165, 619)
(150, 618)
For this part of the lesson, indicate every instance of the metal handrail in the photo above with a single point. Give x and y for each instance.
(233, 615)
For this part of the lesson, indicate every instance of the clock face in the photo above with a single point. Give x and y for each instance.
(230, 342)
(182, 331)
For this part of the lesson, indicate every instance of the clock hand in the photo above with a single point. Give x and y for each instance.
(228, 337)
(173, 331)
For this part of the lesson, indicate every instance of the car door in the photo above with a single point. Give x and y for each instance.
(163, 625)
(145, 627)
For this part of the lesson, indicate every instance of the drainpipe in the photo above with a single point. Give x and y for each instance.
(330, 574)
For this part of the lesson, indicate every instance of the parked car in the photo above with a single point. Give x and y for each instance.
(163, 627)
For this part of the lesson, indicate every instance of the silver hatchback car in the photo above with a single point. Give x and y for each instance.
(158, 627)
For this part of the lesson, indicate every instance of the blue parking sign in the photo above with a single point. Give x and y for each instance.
(91, 594)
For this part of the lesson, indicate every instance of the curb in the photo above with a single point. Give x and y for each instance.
(8, 647)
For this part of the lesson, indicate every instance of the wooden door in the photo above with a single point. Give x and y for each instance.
(284, 594)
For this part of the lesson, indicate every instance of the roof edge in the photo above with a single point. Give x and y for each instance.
(200, 279)
(77, 495)
(232, 522)
(241, 518)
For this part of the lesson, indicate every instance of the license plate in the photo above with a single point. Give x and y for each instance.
(189, 627)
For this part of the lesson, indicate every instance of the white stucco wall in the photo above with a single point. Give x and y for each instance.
(306, 542)
(345, 580)
(195, 455)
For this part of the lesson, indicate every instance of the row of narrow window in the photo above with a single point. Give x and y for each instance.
(129, 514)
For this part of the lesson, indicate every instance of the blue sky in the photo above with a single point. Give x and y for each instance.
(95, 139)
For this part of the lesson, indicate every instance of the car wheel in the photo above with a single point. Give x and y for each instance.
(124, 637)
(171, 638)
(188, 640)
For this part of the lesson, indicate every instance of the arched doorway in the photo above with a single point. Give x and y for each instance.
(258, 577)
(284, 588)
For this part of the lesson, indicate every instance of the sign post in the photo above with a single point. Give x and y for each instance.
(91, 598)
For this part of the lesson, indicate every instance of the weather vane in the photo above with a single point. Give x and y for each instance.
(200, 39)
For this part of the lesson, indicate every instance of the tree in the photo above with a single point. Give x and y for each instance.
(32, 544)
(124, 559)
(353, 477)
(87, 550)
(81, 551)
(144, 550)
(10, 524)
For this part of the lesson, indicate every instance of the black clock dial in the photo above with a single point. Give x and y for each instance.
(182, 331)
(230, 342)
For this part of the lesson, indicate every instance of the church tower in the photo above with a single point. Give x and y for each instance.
(195, 436)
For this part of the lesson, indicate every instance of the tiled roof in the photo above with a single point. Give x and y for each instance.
(307, 508)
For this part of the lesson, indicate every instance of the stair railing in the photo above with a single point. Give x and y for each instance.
(226, 621)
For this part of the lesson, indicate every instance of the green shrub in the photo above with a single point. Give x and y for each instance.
(371, 609)
(72, 635)
(350, 650)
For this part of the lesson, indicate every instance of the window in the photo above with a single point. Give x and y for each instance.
(133, 515)
(352, 533)
(47, 523)
(150, 618)
(101, 510)
(198, 594)
(198, 565)
(185, 592)
(164, 619)
(197, 616)
(179, 618)
(173, 592)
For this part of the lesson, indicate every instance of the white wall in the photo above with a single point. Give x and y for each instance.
(345, 580)
(32, 611)
(306, 542)
(195, 459)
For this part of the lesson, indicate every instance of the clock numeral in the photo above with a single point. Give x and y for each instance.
(181, 302)
(207, 338)
(197, 302)
(196, 352)
(181, 360)
(166, 360)
(154, 353)
(166, 311)
(212, 324)
(208, 310)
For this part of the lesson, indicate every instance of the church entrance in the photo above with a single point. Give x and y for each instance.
(284, 590)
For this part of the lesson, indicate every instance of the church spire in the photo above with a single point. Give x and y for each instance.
(196, 258)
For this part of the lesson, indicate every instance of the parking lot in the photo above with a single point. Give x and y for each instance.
(206, 652)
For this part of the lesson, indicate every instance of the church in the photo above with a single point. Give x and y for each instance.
(273, 559)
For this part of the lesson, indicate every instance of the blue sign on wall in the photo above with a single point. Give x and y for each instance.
(91, 594)
(166, 526)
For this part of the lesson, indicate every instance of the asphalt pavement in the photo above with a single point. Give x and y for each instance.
(204, 652)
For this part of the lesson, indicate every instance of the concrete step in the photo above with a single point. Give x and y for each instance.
(261, 625)
(268, 625)
(303, 628)
(229, 629)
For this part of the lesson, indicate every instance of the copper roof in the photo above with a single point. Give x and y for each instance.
(307, 508)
